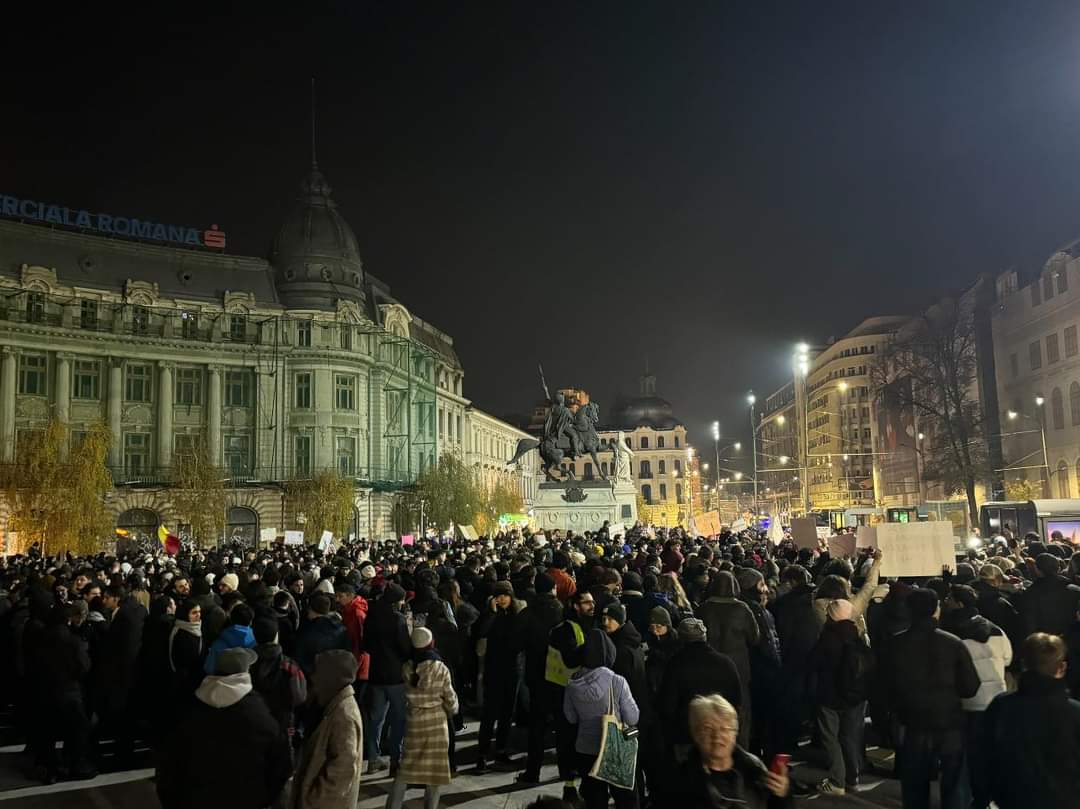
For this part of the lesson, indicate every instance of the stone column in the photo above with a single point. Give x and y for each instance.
(8, 381)
(165, 414)
(267, 423)
(63, 387)
(322, 399)
(115, 411)
(213, 414)
(375, 423)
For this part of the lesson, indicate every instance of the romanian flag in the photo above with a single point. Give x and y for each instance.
(170, 542)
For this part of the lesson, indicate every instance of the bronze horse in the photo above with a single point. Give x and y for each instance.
(553, 449)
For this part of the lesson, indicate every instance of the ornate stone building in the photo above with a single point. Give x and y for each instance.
(284, 367)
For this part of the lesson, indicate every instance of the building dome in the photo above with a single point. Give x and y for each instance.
(645, 410)
(315, 255)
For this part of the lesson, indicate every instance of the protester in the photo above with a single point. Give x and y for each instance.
(500, 627)
(388, 642)
(278, 679)
(237, 634)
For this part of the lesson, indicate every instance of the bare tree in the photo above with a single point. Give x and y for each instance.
(937, 353)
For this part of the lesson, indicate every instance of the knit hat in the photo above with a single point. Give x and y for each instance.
(393, 593)
(840, 609)
(231, 580)
(421, 638)
(658, 615)
(325, 586)
(965, 573)
(234, 661)
(748, 579)
(922, 602)
(367, 572)
(616, 612)
(631, 581)
(543, 583)
(691, 629)
(502, 588)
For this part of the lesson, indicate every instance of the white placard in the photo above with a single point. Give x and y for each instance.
(738, 525)
(294, 537)
(325, 540)
(915, 548)
(267, 536)
(866, 536)
(804, 532)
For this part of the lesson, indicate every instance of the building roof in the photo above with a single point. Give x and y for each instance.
(645, 410)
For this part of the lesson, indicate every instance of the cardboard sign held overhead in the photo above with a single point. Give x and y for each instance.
(915, 548)
(804, 532)
(468, 532)
(325, 540)
(708, 524)
(738, 525)
(407, 539)
(294, 537)
(267, 536)
(866, 536)
(842, 545)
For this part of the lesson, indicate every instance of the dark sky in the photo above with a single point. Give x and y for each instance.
(585, 184)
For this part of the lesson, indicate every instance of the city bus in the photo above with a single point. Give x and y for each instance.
(1044, 517)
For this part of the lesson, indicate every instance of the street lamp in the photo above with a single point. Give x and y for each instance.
(784, 459)
(751, 399)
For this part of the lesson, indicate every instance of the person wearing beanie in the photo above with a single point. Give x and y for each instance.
(565, 586)
(695, 670)
(662, 642)
(332, 760)
(277, 678)
(634, 600)
(930, 672)
(545, 699)
(226, 708)
(229, 583)
(430, 694)
(386, 638)
(501, 627)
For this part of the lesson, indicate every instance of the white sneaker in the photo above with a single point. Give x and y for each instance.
(827, 787)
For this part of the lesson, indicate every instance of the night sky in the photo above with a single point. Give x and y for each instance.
(585, 184)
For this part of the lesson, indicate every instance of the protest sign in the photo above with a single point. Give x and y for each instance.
(325, 540)
(267, 536)
(842, 545)
(708, 524)
(294, 537)
(866, 536)
(468, 532)
(804, 532)
(915, 548)
(407, 539)
(738, 525)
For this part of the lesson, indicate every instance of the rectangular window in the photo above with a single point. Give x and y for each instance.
(660, 442)
(238, 455)
(1048, 286)
(345, 451)
(184, 448)
(303, 333)
(678, 492)
(189, 325)
(1014, 361)
(188, 386)
(137, 383)
(35, 307)
(677, 464)
(663, 491)
(88, 314)
(303, 391)
(458, 420)
(237, 389)
(32, 374)
(140, 320)
(1070, 341)
(302, 457)
(87, 380)
(1035, 352)
(344, 392)
(237, 328)
(1062, 281)
(345, 333)
(136, 453)
(1052, 352)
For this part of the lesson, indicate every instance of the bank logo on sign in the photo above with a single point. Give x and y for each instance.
(112, 225)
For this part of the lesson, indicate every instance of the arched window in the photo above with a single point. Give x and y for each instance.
(588, 473)
(646, 493)
(644, 442)
(676, 442)
(140, 523)
(603, 468)
(1063, 480)
(660, 442)
(1057, 409)
(242, 525)
(1074, 403)
(646, 469)
(661, 468)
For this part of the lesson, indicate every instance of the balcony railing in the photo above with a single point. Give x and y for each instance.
(376, 477)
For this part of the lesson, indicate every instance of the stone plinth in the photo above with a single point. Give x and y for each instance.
(583, 505)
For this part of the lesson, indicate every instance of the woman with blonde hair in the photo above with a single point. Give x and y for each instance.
(669, 583)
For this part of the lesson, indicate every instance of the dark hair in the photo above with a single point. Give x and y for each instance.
(265, 629)
(117, 591)
(242, 615)
(319, 604)
(200, 586)
(1043, 653)
(282, 599)
(922, 602)
(1047, 564)
(183, 612)
(833, 587)
(345, 587)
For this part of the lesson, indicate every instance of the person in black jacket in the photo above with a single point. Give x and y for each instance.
(696, 670)
(662, 643)
(117, 669)
(321, 632)
(542, 615)
(1050, 603)
(840, 693)
(228, 750)
(61, 664)
(154, 671)
(798, 629)
(278, 679)
(929, 673)
(386, 634)
(501, 627)
(1033, 735)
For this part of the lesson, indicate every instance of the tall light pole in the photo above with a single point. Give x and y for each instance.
(716, 444)
(753, 437)
(802, 371)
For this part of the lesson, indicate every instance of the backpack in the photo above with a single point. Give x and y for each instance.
(855, 673)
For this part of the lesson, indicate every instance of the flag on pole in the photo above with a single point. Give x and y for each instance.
(170, 542)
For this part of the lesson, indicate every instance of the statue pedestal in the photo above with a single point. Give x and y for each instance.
(583, 505)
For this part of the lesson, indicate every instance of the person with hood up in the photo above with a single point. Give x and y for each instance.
(586, 701)
(765, 683)
(227, 750)
(331, 762)
(733, 631)
(237, 635)
(840, 671)
(992, 653)
(662, 642)
(278, 679)
(430, 695)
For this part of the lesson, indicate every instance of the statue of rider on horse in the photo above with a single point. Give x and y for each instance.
(569, 432)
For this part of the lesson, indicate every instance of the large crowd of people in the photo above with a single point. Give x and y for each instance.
(285, 676)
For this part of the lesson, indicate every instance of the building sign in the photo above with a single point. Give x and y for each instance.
(124, 226)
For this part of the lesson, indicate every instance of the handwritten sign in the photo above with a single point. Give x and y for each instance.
(708, 524)
(804, 532)
(267, 536)
(325, 540)
(915, 548)
(294, 537)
